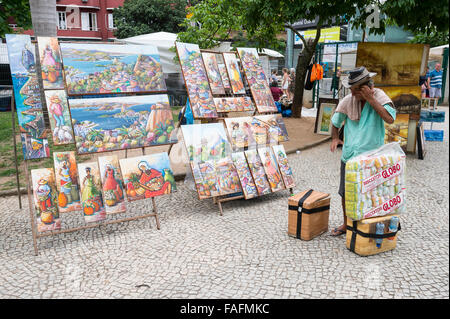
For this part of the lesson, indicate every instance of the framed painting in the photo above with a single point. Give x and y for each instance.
(196, 80)
(240, 132)
(271, 168)
(425, 103)
(397, 131)
(406, 99)
(51, 63)
(213, 73)
(276, 129)
(206, 142)
(394, 63)
(59, 117)
(421, 151)
(147, 176)
(233, 104)
(45, 197)
(205, 179)
(324, 113)
(283, 165)
(111, 68)
(245, 177)
(234, 73)
(27, 97)
(224, 76)
(91, 192)
(67, 181)
(112, 184)
(257, 171)
(257, 80)
(124, 122)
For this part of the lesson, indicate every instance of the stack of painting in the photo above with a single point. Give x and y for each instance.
(257, 80)
(22, 62)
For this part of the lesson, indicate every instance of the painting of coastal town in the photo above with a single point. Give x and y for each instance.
(257, 80)
(147, 176)
(257, 171)
(233, 104)
(91, 192)
(206, 142)
(283, 165)
(66, 173)
(111, 68)
(232, 67)
(114, 123)
(59, 116)
(22, 62)
(213, 72)
(45, 198)
(196, 80)
(245, 177)
(51, 63)
(271, 168)
(112, 184)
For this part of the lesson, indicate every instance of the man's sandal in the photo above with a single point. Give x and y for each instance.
(337, 232)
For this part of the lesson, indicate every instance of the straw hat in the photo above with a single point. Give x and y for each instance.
(357, 76)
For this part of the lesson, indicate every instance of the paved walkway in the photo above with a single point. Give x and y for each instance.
(245, 253)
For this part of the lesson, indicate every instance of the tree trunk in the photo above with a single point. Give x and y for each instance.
(43, 17)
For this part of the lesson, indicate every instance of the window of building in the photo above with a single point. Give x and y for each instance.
(62, 20)
(89, 21)
(111, 21)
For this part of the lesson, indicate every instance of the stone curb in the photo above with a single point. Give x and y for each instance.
(178, 177)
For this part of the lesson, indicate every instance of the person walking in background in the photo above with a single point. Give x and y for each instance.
(274, 76)
(435, 83)
(285, 82)
(291, 87)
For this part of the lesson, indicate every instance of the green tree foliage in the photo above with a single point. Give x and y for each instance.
(138, 17)
(18, 10)
(434, 39)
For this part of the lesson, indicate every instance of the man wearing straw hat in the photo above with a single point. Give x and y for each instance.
(364, 112)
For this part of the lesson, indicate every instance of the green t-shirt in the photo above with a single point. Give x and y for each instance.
(363, 135)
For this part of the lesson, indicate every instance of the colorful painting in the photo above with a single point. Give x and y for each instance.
(257, 171)
(112, 184)
(406, 99)
(91, 192)
(213, 72)
(224, 75)
(274, 124)
(233, 104)
(111, 68)
(22, 63)
(59, 116)
(67, 181)
(257, 80)
(227, 177)
(206, 142)
(147, 176)
(394, 63)
(232, 67)
(397, 131)
(283, 165)
(240, 132)
(245, 177)
(51, 63)
(194, 73)
(271, 168)
(115, 123)
(205, 179)
(45, 197)
(326, 111)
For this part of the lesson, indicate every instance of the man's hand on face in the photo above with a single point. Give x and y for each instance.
(334, 144)
(367, 93)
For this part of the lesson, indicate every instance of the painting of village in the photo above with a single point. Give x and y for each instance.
(22, 62)
(111, 68)
(283, 165)
(227, 177)
(232, 67)
(91, 192)
(45, 197)
(406, 99)
(147, 176)
(112, 184)
(205, 179)
(257, 171)
(257, 80)
(107, 124)
(271, 168)
(233, 104)
(66, 173)
(390, 63)
(59, 116)
(194, 73)
(245, 177)
(213, 72)
(51, 63)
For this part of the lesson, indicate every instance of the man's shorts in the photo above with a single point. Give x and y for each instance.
(342, 182)
(435, 92)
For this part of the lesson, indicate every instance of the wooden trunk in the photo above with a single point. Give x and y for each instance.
(313, 215)
(366, 246)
